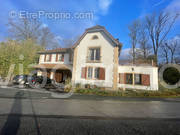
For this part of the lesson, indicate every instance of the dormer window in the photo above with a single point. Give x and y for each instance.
(94, 37)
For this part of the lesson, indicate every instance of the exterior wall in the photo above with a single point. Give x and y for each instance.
(74, 66)
(107, 56)
(53, 59)
(152, 71)
(115, 68)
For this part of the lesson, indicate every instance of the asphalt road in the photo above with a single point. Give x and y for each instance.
(28, 112)
(23, 125)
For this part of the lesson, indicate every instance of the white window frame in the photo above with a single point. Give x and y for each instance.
(95, 76)
(48, 57)
(90, 77)
(94, 51)
(60, 55)
(140, 79)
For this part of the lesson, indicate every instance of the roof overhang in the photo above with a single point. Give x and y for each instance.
(53, 66)
(58, 50)
(98, 29)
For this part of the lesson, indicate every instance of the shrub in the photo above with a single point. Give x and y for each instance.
(87, 86)
(132, 93)
(78, 85)
(102, 88)
(68, 85)
(95, 87)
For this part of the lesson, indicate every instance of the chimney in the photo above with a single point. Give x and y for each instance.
(152, 63)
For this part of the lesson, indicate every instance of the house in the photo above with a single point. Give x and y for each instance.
(94, 60)
(56, 64)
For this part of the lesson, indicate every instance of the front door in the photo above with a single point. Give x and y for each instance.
(59, 76)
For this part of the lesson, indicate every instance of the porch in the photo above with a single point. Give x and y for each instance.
(57, 72)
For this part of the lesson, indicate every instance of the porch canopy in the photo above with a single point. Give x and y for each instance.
(53, 66)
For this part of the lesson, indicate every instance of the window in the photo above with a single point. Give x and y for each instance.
(96, 73)
(61, 57)
(47, 57)
(129, 79)
(94, 37)
(137, 78)
(93, 73)
(90, 72)
(94, 54)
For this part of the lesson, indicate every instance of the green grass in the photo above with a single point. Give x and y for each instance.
(162, 92)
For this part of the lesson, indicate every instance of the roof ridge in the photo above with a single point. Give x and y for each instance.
(98, 28)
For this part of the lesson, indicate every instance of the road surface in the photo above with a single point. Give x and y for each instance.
(24, 112)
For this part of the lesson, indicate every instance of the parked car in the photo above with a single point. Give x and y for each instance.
(20, 79)
(32, 81)
(39, 81)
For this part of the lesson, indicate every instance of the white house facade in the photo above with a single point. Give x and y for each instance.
(94, 60)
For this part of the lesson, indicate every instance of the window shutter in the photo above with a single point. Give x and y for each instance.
(101, 73)
(44, 57)
(121, 78)
(145, 80)
(63, 57)
(50, 56)
(125, 78)
(56, 57)
(83, 72)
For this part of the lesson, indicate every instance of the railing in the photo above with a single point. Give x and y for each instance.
(88, 60)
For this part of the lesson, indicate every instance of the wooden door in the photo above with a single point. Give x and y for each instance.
(59, 77)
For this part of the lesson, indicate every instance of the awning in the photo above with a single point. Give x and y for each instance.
(53, 66)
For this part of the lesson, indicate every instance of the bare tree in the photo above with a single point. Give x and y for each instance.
(165, 52)
(46, 38)
(145, 47)
(172, 48)
(68, 42)
(23, 29)
(133, 34)
(158, 26)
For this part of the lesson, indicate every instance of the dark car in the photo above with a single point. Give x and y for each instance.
(39, 81)
(20, 79)
(32, 81)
